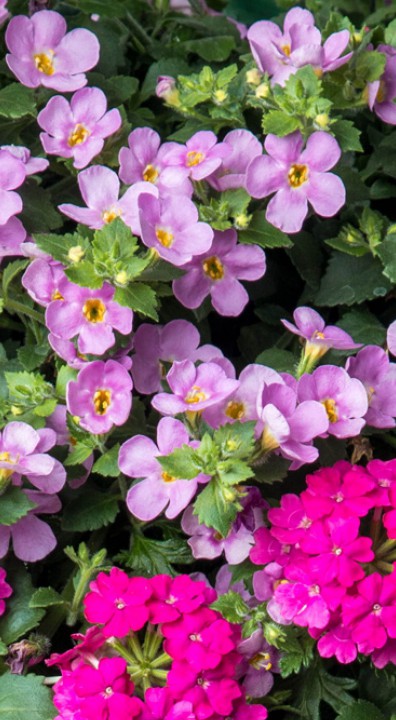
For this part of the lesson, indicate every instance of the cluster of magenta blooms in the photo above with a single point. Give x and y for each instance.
(318, 572)
(183, 656)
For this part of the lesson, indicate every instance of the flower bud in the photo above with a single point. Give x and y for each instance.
(263, 90)
(253, 77)
(166, 90)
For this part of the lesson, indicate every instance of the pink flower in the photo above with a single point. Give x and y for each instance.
(371, 612)
(118, 602)
(319, 336)
(5, 590)
(158, 490)
(91, 315)
(32, 538)
(381, 93)
(32, 165)
(41, 53)
(173, 597)
(12, 235)
(244, 147)
(42, 278)
(202, 638)
(100, 189)
(217, 273)
(77, 129)
(171, 227)
(193, 388)
(337, 641)
(201, 154)
(340, 491)
(12, 175)
(101, 396)
(297, 176)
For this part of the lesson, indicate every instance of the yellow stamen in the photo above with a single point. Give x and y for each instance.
(44, 62)
(286, 49)
(297, 175)
(213, 268)
(150, 173)
(79, 135)
(235, 410)
(164, 237)
(110, 215)
(4, 473)
(94, 310)
(261, 661)
(194, 158)
(102, 401)
(268, 441)
(317, 335)
(195, 395)
(331, 409)
(56, 295)
(167, 478)
(381, 94)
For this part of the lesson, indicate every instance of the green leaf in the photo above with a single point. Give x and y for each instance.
(11, 271)
(90, 511)
(83, 273)
(232, 607)
(390, 34)
(307, 256)
(152, 557)
(181, 463)
(347, 135)
(233, 471)
(46, 408)
(370, 65)
(65, 374)
(58, 246)
(16, 101)
(363, 327)
(279, 123)
(211, 49)
(14, 505)
(39, 213)
(25, 695)
(317, 685)
(277, 359)
(349, 280)
(140, 298)
(45, 597)
(79, 453)
(361, 710)
(107, 465)
(235, 440)
(297, 651)
(161, 271)
(260, 232)
(19, 618)
(386, 251)
(215, 507)
(273, 469)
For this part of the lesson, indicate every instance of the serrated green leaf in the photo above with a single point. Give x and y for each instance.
(39, 213)
(79, 453)
(11, 271)
(180, 463)
(261, 232)
(45, 597)
(107, 464)
(151, 557)
(161, 271)
(280, 123)
(83, 274)
(58, 246)
(386, 251)
(215, 507)
(140, 298)
(361, 710)
(14, 505)
(16, 101)
(89, 511)
(274, 469)
(370, 65)
(235, 440)
(19, 618)
(347, 135)
(211, 49)
(46, 408)
(233, 471)
(363, 327)
(349, 280)
(65, 374)
(21, 695)
(279, 360)
(231, 606)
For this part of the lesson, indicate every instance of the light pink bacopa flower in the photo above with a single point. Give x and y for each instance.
(297, 175)
(42, 53)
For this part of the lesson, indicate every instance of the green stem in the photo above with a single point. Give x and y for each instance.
(163, 659)
(384, 566)
(138, 29)
(135, 646)
(386, 547)
(159, 674)
(14, 306)
(152, 642)
(123, 651)
(81, 589)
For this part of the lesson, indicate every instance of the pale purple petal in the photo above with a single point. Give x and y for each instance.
(32, 539)
(137, 457)
(322, 152)
(287, 210)
(264, 176)
(326, 193)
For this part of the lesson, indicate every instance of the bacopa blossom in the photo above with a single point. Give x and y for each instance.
(281, 54)
(372, 367)
(32, 165)
(243, 148)
(5, 590)
(193, 388)
(12, 236)
(382, 92)
(92, 315)
(217, 273)
(77, 129)
(158, 490)
(171, 227)
(12, 175)
(297, 176)
(201, 155)
(101, 396)
(100, 189)
(319, 336)
(42, 53)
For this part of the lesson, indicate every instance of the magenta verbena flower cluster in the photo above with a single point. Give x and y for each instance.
(185, 667)
(328, 557)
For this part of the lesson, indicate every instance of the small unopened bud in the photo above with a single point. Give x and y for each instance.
(16, 410)
(25, 653)
(357, 37)
(75, 254)
(253, 77)
(229, 495)
(322, 121)
(263, 90)
(219, 97)
(121, 278)
(242, 221)
(166, 90)
(272, 633)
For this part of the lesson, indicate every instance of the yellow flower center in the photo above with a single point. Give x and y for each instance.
(297, 175)
(110, 215)
(44, 62)
(286, 49)
(235, 410)
(102, 401)
(261, 661)
(94, 310)
(150, 173)
(195, 395)
(167, 478)
(79, 135)
(381, 94)
(56, 295)
(331, 409)
(4, 473)
(164, 237)
(213, 268)
(194, 158)
(268, 441)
